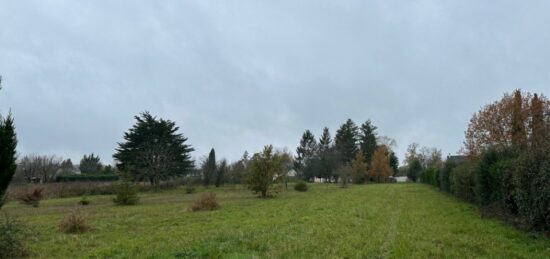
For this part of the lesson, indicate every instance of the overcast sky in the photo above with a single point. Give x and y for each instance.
(236, 75)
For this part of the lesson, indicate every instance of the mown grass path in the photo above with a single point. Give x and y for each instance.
(367, 221)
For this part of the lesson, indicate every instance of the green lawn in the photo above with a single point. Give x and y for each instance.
(378, 221)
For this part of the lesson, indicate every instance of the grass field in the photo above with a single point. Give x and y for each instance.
(378, 221)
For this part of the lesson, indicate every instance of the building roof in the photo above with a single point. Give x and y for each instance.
(457, 159)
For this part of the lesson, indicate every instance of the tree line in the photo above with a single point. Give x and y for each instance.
(506, 163)
(356, 154)
(35, 168)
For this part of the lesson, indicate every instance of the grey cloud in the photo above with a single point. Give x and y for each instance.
(238, 75)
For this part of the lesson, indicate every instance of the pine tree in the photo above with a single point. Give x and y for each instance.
(325, 140)
(327, 156)
(367, 141)
(346, 141)
(8, 144)
(8, 155)
(305, 154)
(90, 164)
(153, 150)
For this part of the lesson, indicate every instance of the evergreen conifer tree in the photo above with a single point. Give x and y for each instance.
(367, 140)
(153, 150)
(8, 144)
(346, 141)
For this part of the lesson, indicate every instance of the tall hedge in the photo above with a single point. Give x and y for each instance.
(445, 176)
(491, 173)
(463, 182)
(532, 192)
(517, 185)
(430, 176)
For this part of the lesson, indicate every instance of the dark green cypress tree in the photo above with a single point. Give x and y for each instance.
(8, 144)
(367, 140)
(346, 141)
(209, 168)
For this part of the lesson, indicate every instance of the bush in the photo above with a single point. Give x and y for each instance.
(190, 189)
(300, 186)
(13, 233)
(84, 201)
(344, 174)
(207, 201)
(32, 198)
(74, 222)
(126, 194)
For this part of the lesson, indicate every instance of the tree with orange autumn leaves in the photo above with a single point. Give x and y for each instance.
(380, 169)
(519, 120)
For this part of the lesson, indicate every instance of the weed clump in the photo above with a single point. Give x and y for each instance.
(74, 222)
(207, 201)
(32, 198)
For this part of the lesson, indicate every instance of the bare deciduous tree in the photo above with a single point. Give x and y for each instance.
(39, 168)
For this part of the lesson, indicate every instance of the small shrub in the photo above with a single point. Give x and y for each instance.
(300, 186)
(126, 194)
(190, 189)
(74, 222)
(84, 201)
(344, 173)
(32, 198)
(13, 233)
(207, 201)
